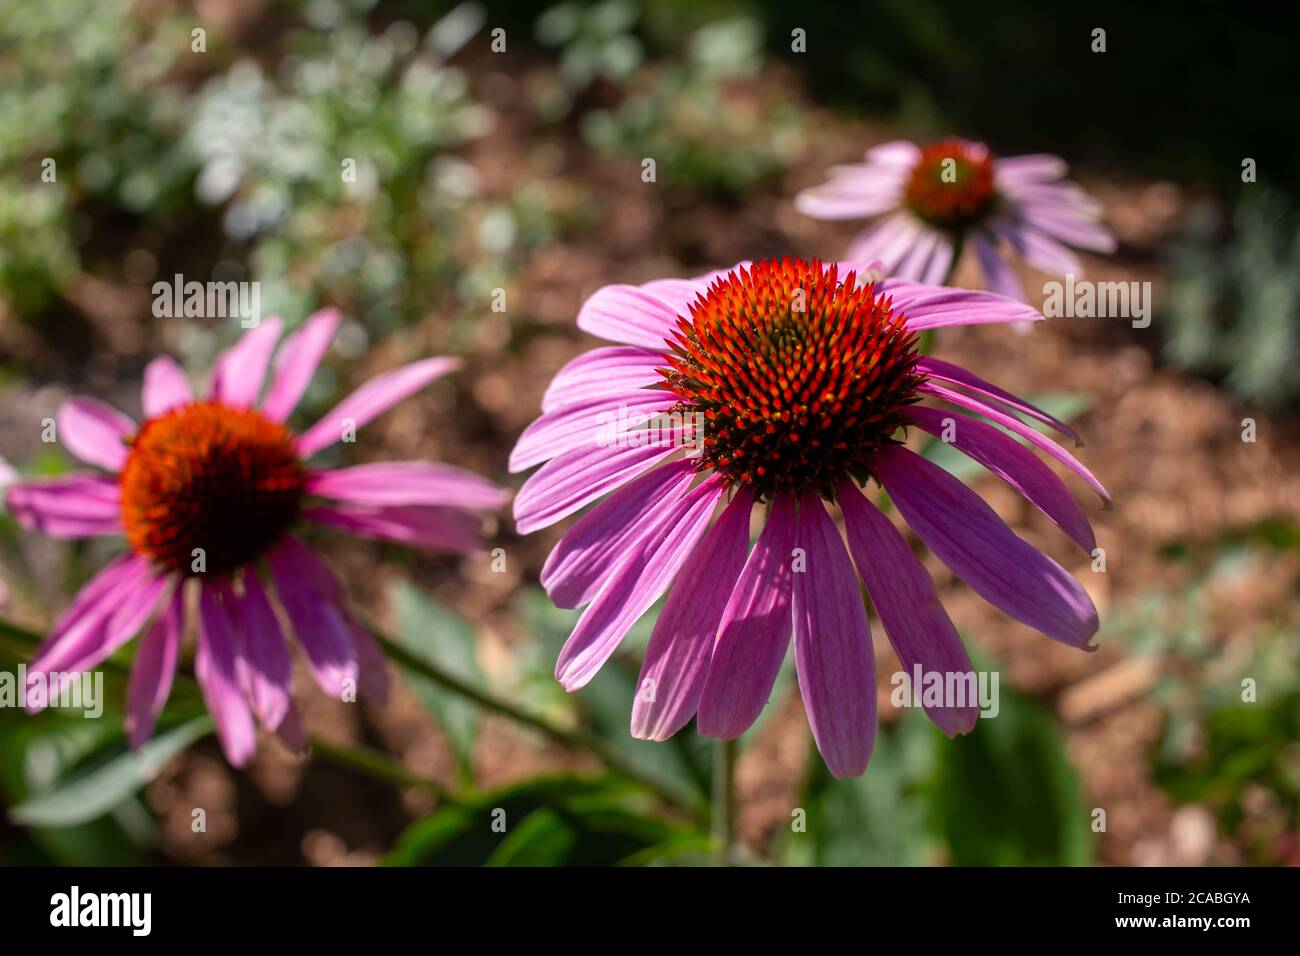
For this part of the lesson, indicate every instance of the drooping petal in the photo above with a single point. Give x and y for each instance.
(1041, 251)
(754, 634)
(915, 260)
(948, 372)
(299, 357)
(268, 672)
(968, 536)
(601, 372)
(406, 483)
(628, 315)
(613, 419)
(887, 240)
(238, 373)
(590, 551)
(1032, 435)
(918, 627)
(928, 307)
(1016, 465)
(999, 275)
(94, 432)
(576, 478)
(1077, 230)
(311, 597)
(153, 671)
(74, 506)
(640, 580)
(165, 387)
(832, 645)
(677, 658)
(419, 526)
(216, 665)
(108, 612)
(370, 401)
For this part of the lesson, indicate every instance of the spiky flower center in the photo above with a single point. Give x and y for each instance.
(801, 375)
(951, 186)
(208, 487)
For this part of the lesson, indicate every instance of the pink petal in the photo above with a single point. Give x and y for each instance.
(95, 432)
(832, 645)
(590, 551)
(440, 529)
(238, 373)
(754, 634)
(574, 479)
(932, 307)
(595, 374)
(406, 483)
(311, 598)
(887, 240)
(371, 400)
(165, 387)
(1032, 167)
(216, 665)
(628, 315)
(896, 152)
(681, 646)
(297, 361)
(107, 613)
(1016, 465)
(999, 275)
(903, 594)
(948, 372)
(616, 416)
(641, 579)
(1075, 229)
(936, 272)
(75, 506)
(1038, 250)
(969, 537)
(267, 671)
(153, 671)
(1032, 435)
(914, 261)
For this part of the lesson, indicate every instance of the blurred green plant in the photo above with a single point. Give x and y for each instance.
(594, 42)
(706, 124)
(1234, 305)
(1230, 688)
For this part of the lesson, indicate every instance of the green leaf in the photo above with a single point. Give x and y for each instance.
(877, 819)
(1006, 795)
(89, 794)
(445, 640)
(547, 821)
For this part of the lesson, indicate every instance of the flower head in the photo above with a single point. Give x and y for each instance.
(928, 202)
(804, 378)
(209, 491)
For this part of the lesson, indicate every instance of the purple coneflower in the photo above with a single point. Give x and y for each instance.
(802, 382)
(208, 490)
(928, 202)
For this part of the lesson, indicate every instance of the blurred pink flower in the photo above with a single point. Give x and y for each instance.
(928, 202)
(208, 490)
(801, 381)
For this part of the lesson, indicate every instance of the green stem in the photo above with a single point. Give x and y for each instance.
(724, 801)
(379, 766)
(570, 739)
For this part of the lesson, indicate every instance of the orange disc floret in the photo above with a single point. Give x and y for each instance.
(801, 376)
(952, 184)
(212, 477)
